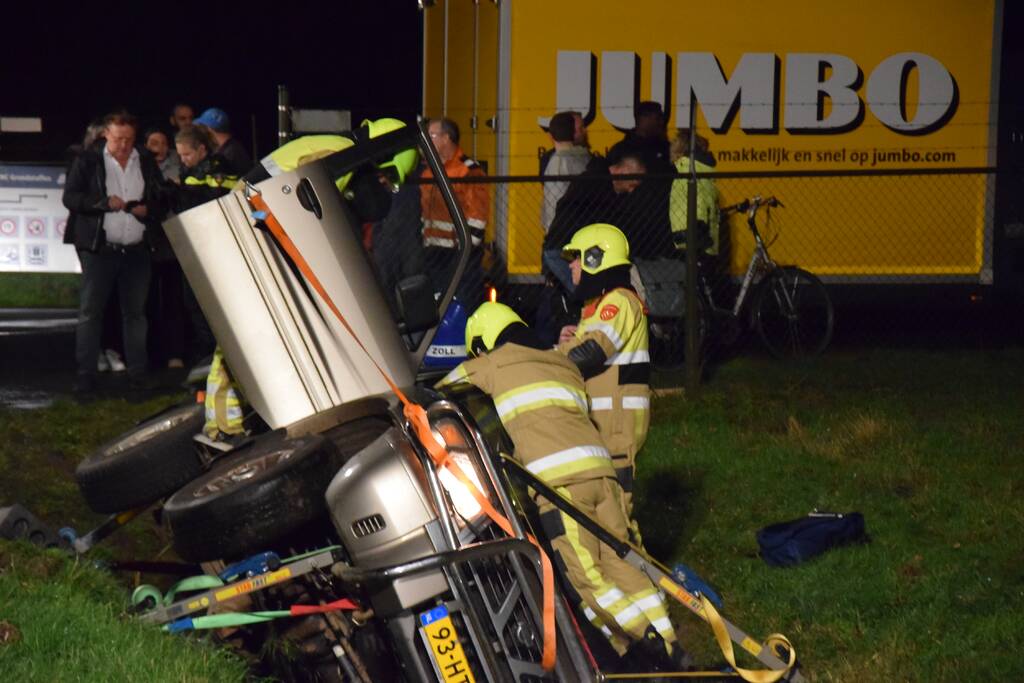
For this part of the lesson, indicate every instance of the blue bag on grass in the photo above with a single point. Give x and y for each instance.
(789, 543)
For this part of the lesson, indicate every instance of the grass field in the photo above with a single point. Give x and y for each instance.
(39, 290)
(927, 445)
(62, 620)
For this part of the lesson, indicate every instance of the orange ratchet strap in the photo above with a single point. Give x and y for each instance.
(417, 416)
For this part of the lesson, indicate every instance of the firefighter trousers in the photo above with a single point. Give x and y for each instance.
(622, 416)
(616, 597)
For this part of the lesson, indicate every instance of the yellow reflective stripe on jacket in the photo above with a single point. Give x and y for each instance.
(629, 357)
(227, 182)
(539, 395)
(628, 403)
(457, 375)
(608, 331)
(569, 461)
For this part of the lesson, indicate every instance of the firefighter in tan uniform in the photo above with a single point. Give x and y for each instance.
(609, 346)
(541, 401)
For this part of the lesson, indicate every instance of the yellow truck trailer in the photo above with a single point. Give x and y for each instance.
(795, 85)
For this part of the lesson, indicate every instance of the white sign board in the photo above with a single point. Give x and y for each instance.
(321, 120)
(33, 220)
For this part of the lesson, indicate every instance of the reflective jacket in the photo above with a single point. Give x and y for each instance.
(707, 202)
(223, 403)
(475, 199)
(540, 399)
(620, 394)
(304, 150)
(206, 180)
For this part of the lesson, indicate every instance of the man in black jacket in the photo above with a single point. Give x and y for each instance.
(113, 191)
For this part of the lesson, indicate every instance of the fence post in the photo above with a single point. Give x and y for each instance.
(692, 368)
(284, 118)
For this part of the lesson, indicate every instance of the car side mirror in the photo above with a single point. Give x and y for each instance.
(417, 308)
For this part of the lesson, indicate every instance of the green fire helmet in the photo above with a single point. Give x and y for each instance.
(402, 163)
(487, 322)
(600, 246)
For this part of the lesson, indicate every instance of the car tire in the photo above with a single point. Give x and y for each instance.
(144, 464)
(252, 498)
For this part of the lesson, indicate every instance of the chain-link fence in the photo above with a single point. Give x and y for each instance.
(898, 251)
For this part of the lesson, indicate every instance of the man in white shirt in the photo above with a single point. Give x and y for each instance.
(569, 157)
(112, 193)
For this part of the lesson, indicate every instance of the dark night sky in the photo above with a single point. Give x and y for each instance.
(69, 64)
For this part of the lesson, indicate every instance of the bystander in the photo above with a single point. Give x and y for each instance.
(441, 252)
(237, 160)
(112, 192)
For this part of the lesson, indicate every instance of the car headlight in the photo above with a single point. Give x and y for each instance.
(448, 434)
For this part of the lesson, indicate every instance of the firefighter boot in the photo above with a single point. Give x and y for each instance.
(653, 654)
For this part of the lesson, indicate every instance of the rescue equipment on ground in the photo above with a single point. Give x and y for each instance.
(789, 543)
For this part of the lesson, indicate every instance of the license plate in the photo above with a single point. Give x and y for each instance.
(443, 641)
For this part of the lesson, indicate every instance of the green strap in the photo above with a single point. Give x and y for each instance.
(192, 583)
(230, 619)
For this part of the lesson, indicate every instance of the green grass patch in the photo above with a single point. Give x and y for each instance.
(928, 446)
(40, 449)
(39, 290)
(63, 620)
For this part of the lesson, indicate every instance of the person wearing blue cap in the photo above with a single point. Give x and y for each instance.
(234, 152)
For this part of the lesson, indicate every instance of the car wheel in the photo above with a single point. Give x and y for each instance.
(252, 498)
(145, 463)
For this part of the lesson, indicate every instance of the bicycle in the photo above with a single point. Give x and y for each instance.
(791, 310)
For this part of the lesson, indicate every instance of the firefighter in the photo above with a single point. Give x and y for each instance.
(540, 399)
(609, 346)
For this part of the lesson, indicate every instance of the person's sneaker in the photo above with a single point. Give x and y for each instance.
(175, 363)
(114, 358)
(102, 364)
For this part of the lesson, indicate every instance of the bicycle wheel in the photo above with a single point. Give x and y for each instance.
(793, 314)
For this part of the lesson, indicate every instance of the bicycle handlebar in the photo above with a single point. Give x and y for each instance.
(752, 205)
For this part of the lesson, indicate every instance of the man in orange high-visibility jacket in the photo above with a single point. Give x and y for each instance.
(440, 243)
(539, 396)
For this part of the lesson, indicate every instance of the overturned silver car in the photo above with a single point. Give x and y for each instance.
(443, 594)
(335, 514)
